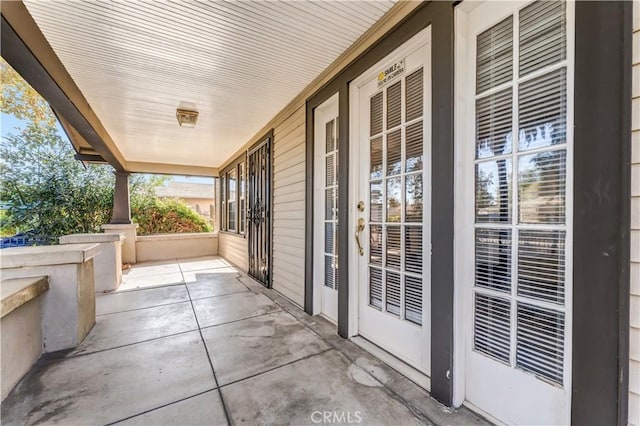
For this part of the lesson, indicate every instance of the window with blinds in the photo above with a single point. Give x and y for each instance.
(520, 190)
(331, 205)
(396, 204)
(233, 199)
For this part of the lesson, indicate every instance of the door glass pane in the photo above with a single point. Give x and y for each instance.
(394, 105)
(393, 199)
(492, 326)
(329, 276)
(376, 201)
(331, 203)
(329, 199)
(540, 341)
(394, 152)
(393, 292)
(494, 124)
(375, 245)
(375, 125)
(330, 136)
(413, 154)
(413, 299)
(493, 191)
(413, 249)
(331, 170)
(542, 180)
(541, 265)
(376, 158)
(328, 237)
(393, 247)
(493, 259)
(414, 94)
(543, 38)
(542, 119)
(375, 287)
(413, 196)
(494, 64)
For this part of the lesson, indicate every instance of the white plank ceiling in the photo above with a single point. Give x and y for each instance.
(238, 63)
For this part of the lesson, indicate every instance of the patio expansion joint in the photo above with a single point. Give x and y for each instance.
(65, 354)
(277, 367)
(142, 309)
(219, 295)
(133, 290)
(393, 394)
(161, 406)
(241, 319)
(206, 349)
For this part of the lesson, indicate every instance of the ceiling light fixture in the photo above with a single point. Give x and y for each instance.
(186, 118)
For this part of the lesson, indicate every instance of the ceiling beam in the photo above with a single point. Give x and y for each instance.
(89, 158)
(171, 169)
(25, 48)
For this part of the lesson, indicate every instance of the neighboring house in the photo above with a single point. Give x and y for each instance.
(199, 196)
(454, 183)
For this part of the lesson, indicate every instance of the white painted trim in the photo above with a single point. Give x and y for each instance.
(359, 160)
(464, 98)
(328, 108)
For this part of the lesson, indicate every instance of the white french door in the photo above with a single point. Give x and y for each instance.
(326, 209)
(514, 122)
(391, 158)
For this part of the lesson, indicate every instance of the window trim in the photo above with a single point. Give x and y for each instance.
(235, 166)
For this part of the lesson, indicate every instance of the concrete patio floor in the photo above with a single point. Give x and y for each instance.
(197, 342)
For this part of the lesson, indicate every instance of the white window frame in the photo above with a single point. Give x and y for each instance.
(464, 190)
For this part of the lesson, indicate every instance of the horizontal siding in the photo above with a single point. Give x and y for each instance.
(634, 332)
(234, 248)
(289, 170)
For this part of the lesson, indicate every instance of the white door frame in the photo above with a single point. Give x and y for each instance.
(415, 42)
(464, 195)
(324, 110)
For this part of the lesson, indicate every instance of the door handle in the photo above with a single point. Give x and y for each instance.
(359, 229)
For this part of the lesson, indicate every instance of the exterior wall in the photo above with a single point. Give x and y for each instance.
(21, 342)
(234, 248)
(176, 246)
(289, 206)
(634, 318)
(289, 171)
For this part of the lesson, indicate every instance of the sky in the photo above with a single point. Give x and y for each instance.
(8, 124)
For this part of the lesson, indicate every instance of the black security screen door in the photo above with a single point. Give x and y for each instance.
(259, 211)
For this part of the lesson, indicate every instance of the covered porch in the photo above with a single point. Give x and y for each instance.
(199, 342)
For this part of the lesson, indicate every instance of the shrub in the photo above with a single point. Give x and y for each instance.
(163, 216)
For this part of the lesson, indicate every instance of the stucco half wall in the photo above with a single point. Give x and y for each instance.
(176, 246)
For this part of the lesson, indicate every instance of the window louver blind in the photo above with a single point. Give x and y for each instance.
(394, 105)
(331, 205)
(493, 259)
(375, 287)
(393, 292)
(413, 93)
(492, 332)
(494, 64)
(494, 124)
(413, 299)
(540, 341)
(520, 181)
(376, 114)
(396, 198)
(541, 265)
(542, 35)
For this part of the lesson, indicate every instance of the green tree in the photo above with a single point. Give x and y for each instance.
(45, 190)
